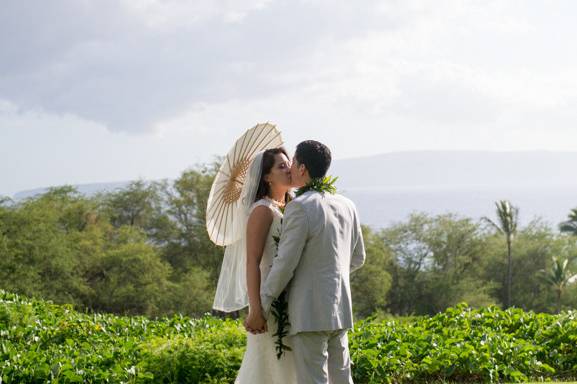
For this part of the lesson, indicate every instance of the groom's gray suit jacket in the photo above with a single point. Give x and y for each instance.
(321, 244)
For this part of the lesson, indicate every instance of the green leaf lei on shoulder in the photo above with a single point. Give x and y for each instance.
(319, 184)
(279, 306)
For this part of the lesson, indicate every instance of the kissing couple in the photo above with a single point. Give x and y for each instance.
(298, 252)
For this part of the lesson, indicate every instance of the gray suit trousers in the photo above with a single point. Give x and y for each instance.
(322, 357)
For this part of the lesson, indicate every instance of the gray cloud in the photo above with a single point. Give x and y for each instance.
(103, 62)
(131, 66)
(446, 101)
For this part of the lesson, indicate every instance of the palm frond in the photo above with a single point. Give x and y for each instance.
(507, 218)
(570, 226)
(492, 224)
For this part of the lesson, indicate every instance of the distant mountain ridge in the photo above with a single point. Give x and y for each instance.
(458, 169)
(86, 189)
(388, 187)
(433, 169)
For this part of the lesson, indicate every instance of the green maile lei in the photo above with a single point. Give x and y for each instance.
(279, 307)
(320, 184)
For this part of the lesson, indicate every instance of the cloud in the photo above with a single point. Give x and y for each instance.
(131, 65)
(459, 71)
(43, 149)
(177, 13)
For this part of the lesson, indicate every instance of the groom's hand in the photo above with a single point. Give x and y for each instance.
(255, 323)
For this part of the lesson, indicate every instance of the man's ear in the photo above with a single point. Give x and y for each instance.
(302, 169)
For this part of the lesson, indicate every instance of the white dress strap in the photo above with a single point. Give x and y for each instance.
(267, 203)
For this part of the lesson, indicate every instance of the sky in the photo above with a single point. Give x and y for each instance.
(114, 90)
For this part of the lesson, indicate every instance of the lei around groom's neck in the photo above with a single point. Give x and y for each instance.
(319, 184)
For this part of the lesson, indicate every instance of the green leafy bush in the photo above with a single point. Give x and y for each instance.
(43, 342)
(213, 354)
(462, 344)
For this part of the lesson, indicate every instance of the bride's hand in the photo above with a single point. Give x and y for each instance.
(255, 323)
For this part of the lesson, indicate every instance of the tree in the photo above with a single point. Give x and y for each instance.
(371, 283)
(37, 249)
(506, 225)
(5, 200)
(411, 255)
(559, 277)
(141, 205)
(438, 262)
(193, 294)
(133, 278)
(139, 250)
(186, 206)
(534, 246)
(457, 247)
(570, 226)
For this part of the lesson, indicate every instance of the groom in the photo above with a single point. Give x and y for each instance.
(321, 244)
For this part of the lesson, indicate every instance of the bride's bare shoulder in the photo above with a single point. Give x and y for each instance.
(261, 212)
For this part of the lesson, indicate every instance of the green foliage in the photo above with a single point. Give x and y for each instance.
(436, 263)
(139, 250)
(186, 202)
(134, 280)
(44, 342)
(137, 205)
(506, 225)
(559, 277)
(319, 184)
(462, 344)
(144, 250)
(279, 310)
(371, 283)
(570, 225)
(192, 293)
(535, 246)
(37, 243)
(212, 354)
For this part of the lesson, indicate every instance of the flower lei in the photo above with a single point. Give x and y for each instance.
(280, 305)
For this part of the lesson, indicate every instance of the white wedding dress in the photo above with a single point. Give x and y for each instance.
(260, 364)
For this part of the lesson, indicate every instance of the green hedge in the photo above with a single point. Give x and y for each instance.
(42, 342)
(462, 344)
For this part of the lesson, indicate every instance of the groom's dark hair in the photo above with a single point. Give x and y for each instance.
(315, 156)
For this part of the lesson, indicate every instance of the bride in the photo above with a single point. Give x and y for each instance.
(247, 262)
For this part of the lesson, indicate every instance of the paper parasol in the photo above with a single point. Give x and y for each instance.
(224, 198)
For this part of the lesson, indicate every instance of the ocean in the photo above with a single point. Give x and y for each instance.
(382, 207)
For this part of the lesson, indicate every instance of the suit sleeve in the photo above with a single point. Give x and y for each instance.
(292, 242)
(359, 255)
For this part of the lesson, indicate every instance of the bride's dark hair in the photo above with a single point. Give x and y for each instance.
(268, 158)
